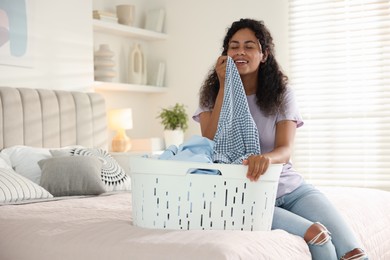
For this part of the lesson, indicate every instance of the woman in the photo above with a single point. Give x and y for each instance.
(300, 208)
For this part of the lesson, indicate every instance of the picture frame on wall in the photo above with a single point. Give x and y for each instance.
(155, 20)
(16, 34)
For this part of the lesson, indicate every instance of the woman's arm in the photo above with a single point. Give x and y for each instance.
(209, 119)
(284, 142)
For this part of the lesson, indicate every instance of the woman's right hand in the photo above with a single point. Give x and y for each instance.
(220, 68)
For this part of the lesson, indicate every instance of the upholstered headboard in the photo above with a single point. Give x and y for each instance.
(51, 118)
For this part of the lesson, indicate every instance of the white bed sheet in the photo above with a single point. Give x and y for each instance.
(101, 228)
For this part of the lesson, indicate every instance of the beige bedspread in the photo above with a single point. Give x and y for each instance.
(101, 228)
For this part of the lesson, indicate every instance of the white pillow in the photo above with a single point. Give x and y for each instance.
(5, 162)
(16, 188)
(24, 160)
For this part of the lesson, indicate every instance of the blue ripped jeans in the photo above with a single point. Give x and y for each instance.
(297, 211)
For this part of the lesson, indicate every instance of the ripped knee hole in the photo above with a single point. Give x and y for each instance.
(317, 234)
(355, 254)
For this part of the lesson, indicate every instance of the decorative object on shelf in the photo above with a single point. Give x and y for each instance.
(144, 70)
(104, 64)
(120, 120)
(125, 14)
(137, 66)
(175, 122)
(160, 75)
(104, 16)
(155, 20)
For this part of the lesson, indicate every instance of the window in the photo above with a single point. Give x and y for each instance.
(340, 71)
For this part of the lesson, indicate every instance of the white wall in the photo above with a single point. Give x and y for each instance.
(59, 47)
(63, 55)
(195, 32)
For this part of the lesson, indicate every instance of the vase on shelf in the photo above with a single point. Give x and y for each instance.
(144, 70)
(137, 66)
(125, 14)
(104, 64)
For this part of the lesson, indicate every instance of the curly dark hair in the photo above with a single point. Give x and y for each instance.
(271, 81)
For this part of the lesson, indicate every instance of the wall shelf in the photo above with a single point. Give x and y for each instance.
(127, 31)
(113, 86)
(110, 28)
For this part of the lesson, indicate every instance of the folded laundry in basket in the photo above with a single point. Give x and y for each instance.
(196, 149)
(237, 136)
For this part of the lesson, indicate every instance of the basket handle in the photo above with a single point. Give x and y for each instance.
(204, 171)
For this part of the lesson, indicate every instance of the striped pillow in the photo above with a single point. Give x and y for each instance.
(16, 188)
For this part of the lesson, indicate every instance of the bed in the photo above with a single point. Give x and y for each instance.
(100, 226)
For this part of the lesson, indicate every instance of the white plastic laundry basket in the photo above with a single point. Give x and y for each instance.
(165, 196)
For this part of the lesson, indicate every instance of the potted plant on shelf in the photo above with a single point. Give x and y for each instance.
(175, 122)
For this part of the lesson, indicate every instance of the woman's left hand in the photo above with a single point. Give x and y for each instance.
(257, 165)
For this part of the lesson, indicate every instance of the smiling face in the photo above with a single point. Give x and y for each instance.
(246, 52)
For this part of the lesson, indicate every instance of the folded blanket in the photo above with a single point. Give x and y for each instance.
(237, 136)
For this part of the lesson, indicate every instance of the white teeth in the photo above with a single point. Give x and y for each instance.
(241, 61)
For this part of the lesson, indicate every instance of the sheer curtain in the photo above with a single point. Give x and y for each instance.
(340, 70)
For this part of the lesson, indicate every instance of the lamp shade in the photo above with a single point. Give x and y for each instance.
(120, 119)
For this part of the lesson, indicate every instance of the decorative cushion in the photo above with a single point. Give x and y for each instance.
(112, 174)
(4, 162)
(15, 188)
(70, 175)
(24, 160)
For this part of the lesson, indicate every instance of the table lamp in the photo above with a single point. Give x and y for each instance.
(120, 120)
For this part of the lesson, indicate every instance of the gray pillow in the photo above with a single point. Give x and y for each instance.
(112, 174)
(71, 175)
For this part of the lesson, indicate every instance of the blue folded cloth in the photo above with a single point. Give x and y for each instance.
(237, 136)
(196, 149)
